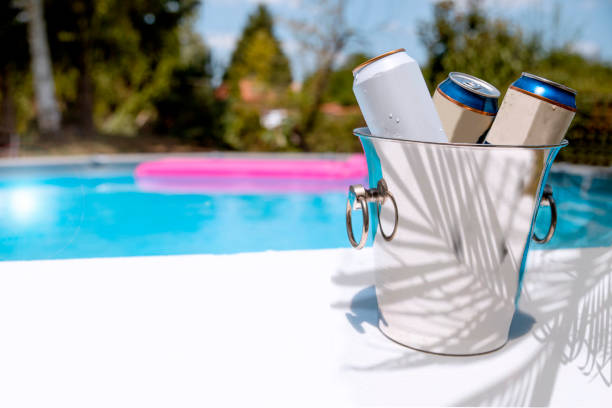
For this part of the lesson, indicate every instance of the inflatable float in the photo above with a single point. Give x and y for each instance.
(354, 167)
(249, 175)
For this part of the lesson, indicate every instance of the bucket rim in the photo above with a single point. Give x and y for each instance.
(365, 132)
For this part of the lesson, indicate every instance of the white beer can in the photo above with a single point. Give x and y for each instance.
(467, 106)
(394, 100)
(535, 111)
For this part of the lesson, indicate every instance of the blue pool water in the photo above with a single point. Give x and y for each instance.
(103, 212)
(584, 206)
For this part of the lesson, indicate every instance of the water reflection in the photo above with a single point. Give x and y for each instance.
(23, 203)
(102, 215)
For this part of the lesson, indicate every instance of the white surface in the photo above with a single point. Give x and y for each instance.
(270, 329)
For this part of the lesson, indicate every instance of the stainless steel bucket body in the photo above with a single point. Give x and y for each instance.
(461, 216)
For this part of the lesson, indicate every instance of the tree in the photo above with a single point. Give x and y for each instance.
(123, 53)
(590, 135)
(340, 88)
(258, 64)
(438, 37)
(490, 49)
(258, 54)
(48, 114)
(324, 37)
(14, 59)
(496, 51)
(187, 107)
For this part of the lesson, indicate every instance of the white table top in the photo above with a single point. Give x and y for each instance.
(283, 329)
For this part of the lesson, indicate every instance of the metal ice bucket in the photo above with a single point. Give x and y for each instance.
(455, 222)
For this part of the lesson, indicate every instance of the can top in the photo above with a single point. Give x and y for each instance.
(548, 81)
(546, 90)
(371, 60)
(474, 85)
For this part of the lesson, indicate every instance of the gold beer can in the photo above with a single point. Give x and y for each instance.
(535, 111)
(467, 106)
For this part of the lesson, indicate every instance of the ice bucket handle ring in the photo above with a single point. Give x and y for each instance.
(548, 196)
(364, 196)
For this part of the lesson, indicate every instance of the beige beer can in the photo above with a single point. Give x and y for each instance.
(467, 106)
(535, 111)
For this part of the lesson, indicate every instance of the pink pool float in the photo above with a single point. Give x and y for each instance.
(354, 167)
(249, 175)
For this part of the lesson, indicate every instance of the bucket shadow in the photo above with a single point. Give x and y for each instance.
(566, 308)
(572, 300)
(364, 311)
(521, 324)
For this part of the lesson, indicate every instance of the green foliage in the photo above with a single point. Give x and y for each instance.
(590, 136)
(243, 128)
(469, 42)
(498, 52)
(117, 63)
(258, 54)
(186, 107)
(138, 67)
(14, 70)
(258, 57)
(340, 88)
(334, 134)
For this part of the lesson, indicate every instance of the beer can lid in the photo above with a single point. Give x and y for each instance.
(548, 81)
(474, 85)
(371, 60)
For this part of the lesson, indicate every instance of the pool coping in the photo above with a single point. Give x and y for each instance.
(33, 163)
(128, 158)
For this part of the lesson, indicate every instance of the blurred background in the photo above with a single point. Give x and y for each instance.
(110, 76)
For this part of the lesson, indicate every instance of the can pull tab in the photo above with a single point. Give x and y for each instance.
(358, 194)
(472, 85)
(548, 196)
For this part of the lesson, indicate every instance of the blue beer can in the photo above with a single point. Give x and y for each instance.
(467, 106)
(535, 112)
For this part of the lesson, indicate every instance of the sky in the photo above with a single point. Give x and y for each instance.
(389, 24)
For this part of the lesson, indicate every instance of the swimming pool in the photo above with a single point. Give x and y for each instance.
(584, 205)
(64, 211)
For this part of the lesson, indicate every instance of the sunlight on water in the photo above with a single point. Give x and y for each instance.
(105, 213)
(23, 204)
